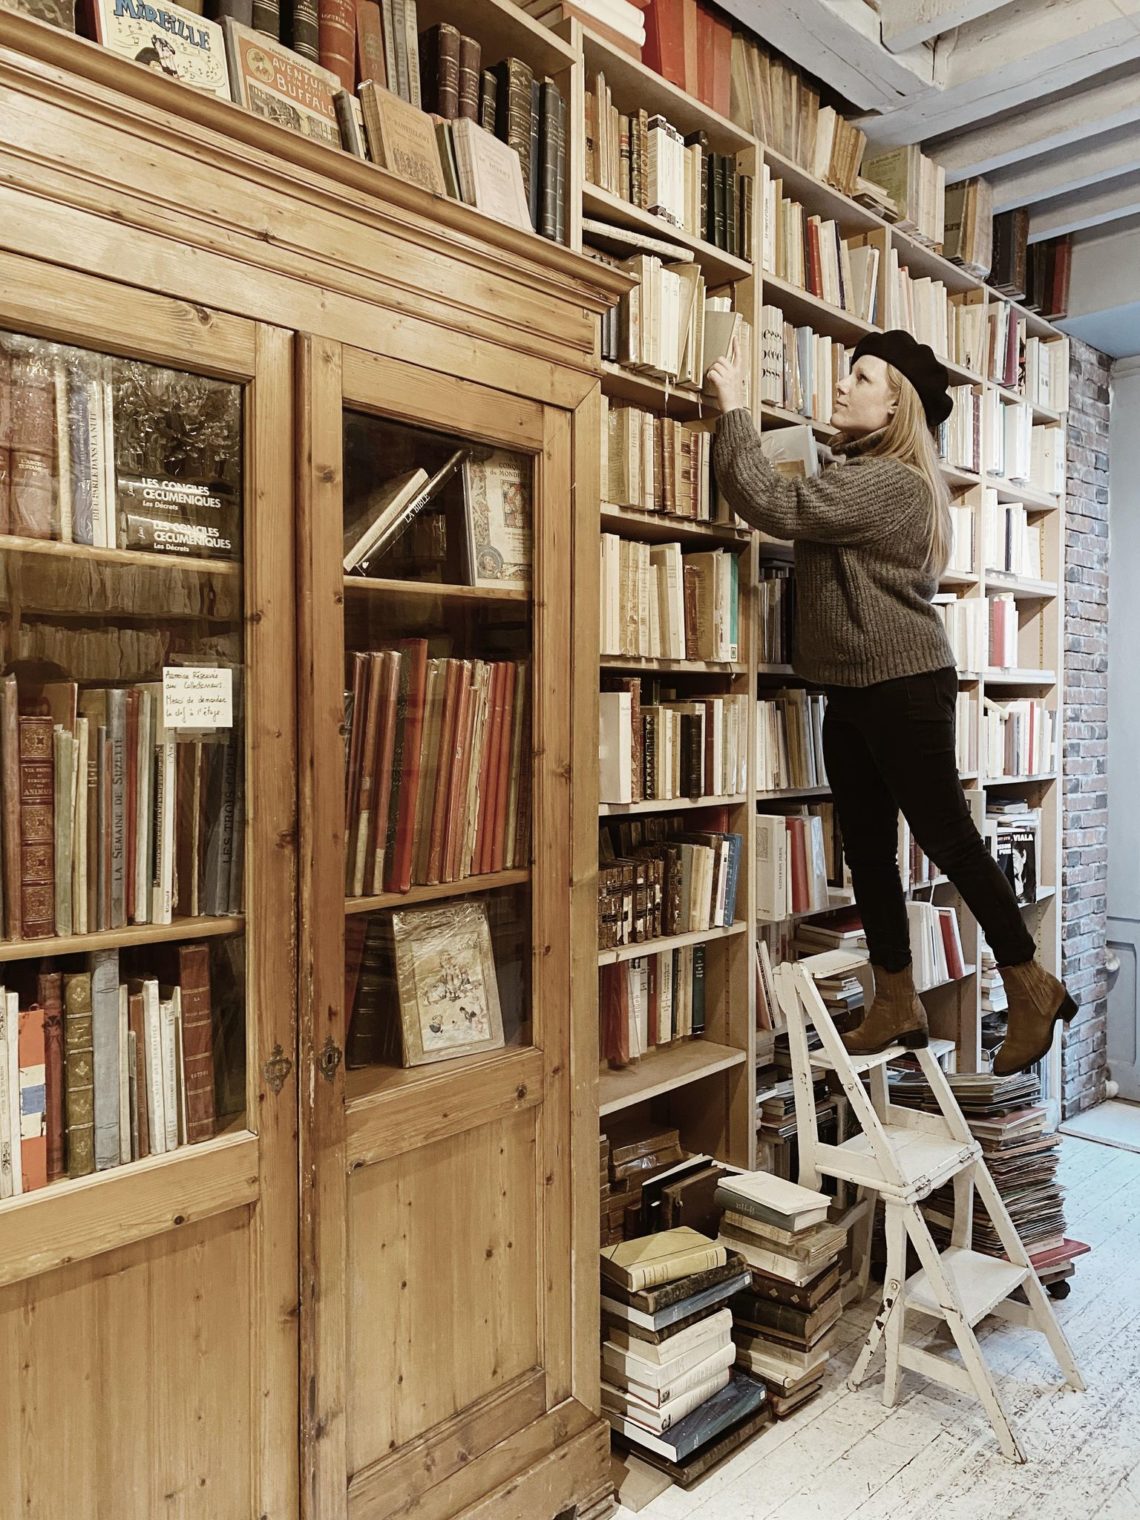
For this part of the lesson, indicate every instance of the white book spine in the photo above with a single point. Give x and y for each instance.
(105, 1011)
(79, 835)
(5, 1104)
(156, 1101)
(144, 817)
(169, 1072)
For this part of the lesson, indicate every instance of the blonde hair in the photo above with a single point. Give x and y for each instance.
(907, 438)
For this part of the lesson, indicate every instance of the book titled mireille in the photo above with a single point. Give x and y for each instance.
(171, 41)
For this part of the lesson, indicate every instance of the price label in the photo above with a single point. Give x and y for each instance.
(197, 696)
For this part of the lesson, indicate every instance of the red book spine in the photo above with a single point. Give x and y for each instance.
(503, 786)
(415, 651)
(197, 1040)
(37, 827)
(488, 778)
(32, 487)
(31, 1119)
(443, 772)
(664, 49)
(364, 820)
(370, 44)
(352, 761)
(689, 29)
(132, 768)
(705, 55)
(49, 994)
(336, 33)
(722, 65)
(383, 781)
(10, 750)
(799, 865)
(457, 783)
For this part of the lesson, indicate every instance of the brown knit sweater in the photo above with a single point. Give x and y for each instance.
(860, 531)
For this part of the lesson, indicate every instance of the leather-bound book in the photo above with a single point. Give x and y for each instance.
(336, 39)
(415, 659)
(266, 19)
(370, 44)
(37, 832)
(546, 211)
(470, 63)
(488, 101)
(32, 488)
(5, 439)
(306, 34)
(49, 995)
(439, 70)
(502, 763)
(33, 1117)
(136, 1023)
(79, 1061)
(514, 109)
(664, 49)
(10, 776)
(197, 1040)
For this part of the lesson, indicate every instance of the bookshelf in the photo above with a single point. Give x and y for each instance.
(271, 1255)
(179, 1188)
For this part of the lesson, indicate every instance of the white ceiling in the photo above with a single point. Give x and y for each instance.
(1040, 96)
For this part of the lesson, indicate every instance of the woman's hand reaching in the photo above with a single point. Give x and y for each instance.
(726, 378)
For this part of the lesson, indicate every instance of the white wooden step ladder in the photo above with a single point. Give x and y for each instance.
(902, 1156)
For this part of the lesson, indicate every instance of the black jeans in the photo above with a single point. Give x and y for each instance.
(891, 746)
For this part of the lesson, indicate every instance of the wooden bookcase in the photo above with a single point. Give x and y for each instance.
(694, 1085)
(296, 1354)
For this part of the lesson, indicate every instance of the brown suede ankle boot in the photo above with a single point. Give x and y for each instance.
(895, 1017)
(1036, 1001)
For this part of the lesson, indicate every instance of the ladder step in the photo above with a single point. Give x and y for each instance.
(820, 1058)
(922, 1158)
(982, 1282)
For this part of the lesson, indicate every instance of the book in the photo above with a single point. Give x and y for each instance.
(197, 1044)
(497, 499)
(661, 1258)
(336, 39)
(281, 85)
(662, 1418)
(107, 1057)
(13, 1163)
(49, 995)
(703, 1332)
(173, 42)
(514, 111)
(668, 1386)
(792, 451)
(490, 174)
(439, 69)
(79, 1059)
(775, 1200)
(401, 138)
(740, 1397)
(36, 896)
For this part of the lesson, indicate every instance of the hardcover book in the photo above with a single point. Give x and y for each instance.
(497, 491)
(445, 975)
(490, 175)
(275, 82)
(401, 138)
(167, 39)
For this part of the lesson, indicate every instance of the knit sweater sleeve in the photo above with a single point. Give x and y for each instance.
(855, 504)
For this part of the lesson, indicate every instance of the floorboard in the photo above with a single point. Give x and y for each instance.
(845, 1457)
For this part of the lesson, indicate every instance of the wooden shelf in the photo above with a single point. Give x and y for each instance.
(1032, 496)
(779, 416)
(960, 375)
(664, 1070)
(667, 805)
(1041, 414)
(1043, 895)
(502, 29)
(189, 564)
(802, 307)
(819, 198)
(957, 578)
(967, 677)
(76, 1218)
(793, 791)
(655, 395)
(661, 527)
(672, 667)
(951, 981)
(120, 939)
(635, 85)
(668, 942)
(954, 475)
(1024, 587)
(1020, 677)
(1041, 779)
(837, 897)
(431, 591)
(775, 670)
(718, 265)
(924, 886)
(490, 882)
(924, 263)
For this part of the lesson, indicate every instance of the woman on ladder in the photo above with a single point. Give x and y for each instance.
(872, 538)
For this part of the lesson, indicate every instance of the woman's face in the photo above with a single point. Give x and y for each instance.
(865, 403)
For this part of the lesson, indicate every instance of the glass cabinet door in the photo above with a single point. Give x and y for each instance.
(141, 583)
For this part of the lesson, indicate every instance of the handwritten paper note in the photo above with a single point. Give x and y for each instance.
(197, 696)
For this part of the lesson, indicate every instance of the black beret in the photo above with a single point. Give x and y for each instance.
(917, 362)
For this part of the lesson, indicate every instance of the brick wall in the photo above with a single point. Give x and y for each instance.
(1084, 831)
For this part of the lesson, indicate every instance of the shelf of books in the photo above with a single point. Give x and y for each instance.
(146, 1106)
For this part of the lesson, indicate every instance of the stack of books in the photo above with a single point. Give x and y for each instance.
(670, 1389)
(1005, 1115)
(631, 1153)
(784, 1321)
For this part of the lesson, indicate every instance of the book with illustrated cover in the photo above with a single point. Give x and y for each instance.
(167, 39)
(497, 492)
(401, 138)
(490, 174)
(278, 84)
(446, 982)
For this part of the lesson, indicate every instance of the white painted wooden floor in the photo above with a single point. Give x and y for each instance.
(934, 1456)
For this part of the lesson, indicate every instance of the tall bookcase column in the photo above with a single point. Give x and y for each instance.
(200, 1225)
